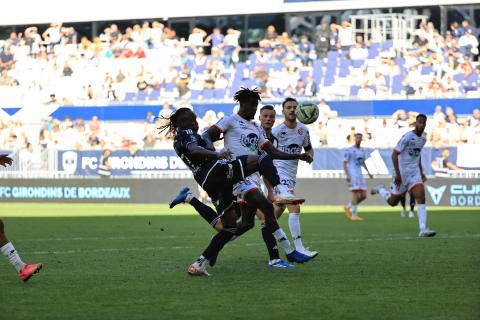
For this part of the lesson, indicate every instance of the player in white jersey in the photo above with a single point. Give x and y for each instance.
(292, 137)
(353, 161)
(406, 158)
(243, 137)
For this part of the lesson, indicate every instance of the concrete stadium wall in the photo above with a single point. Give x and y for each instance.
(440, 191)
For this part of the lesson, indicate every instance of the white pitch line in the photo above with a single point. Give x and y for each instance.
(66, 252)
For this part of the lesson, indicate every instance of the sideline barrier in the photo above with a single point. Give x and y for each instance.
(440, 191)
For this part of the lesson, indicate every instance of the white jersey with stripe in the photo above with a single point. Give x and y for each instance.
(355, 158)
(291, 141)
(241, 137)
(410, 147)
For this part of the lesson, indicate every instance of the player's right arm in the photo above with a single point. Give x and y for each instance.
(346, 157)
(190, 143)
(398, 178)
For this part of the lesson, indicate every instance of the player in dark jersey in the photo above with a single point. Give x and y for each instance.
(216, 173)
(25, 270)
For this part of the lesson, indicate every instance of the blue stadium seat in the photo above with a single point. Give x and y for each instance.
(219, 93)
(354, 91)
(142, 95)
(387, 45)
(169, 86)
(195, 94)
(427, 70)
(397, 85)
(358, 63)
(130, 96)
(154, 95)
(208, 94)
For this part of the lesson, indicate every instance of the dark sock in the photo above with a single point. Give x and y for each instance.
(268, 170)
(205, 211)
(216, 244)
(270, 242)
(412, 203)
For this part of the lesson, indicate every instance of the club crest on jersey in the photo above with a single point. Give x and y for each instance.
(250, 141)
(292, 149)
(300, 131)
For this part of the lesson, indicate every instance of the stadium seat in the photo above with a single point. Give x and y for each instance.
(142, 95)
(130, 96)
(219, 93)
(195, 94)
(208, 94)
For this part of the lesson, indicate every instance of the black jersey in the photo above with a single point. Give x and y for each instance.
(180, 143)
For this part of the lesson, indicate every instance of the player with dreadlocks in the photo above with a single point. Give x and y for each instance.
(216, 174)
(243, 137)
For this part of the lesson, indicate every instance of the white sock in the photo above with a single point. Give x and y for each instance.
(294, 225)
(384, 193)
(353, 209)
(281, 237)
(189, 197)
(422, 216)
(9, 251)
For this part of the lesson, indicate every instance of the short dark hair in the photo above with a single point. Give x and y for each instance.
(421, 115)
(267, 107)
(288, 99)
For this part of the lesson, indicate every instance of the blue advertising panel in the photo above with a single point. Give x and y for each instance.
(85, 163)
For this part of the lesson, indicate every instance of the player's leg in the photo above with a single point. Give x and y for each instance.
(411, 214)
(359, 196)
(206, 212)
(6, 247)
(265, 167)
(403, 214)
(418, 191)
(395, 194)
(257, 199)
(295, 230)
(270, 242)
(226, 209)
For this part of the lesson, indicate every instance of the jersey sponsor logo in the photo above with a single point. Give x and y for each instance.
(359, 161)
(292, 149)
(414, 152)
(436, 193)
(250, 141)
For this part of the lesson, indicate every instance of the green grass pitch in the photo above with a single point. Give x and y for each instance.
(130, 262)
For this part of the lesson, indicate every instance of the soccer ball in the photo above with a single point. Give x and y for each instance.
(307, 113)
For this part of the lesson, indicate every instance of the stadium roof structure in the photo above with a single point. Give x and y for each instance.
(39, 12)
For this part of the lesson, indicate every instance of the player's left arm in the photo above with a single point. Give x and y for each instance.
(369, 174)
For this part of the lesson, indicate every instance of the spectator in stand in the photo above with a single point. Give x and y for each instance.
(216, 38)
(468, 44)
(322, 41)
(345, 35)
(196, 39)
(438, 115)
(474, 119)
(310, 87)
(6, 59)
(306, 51)
(365, 92)
(270, 38)
(443, 164)
(334, 37)
(230, 44)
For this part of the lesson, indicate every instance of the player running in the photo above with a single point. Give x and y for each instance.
(353, 161)
(290, 137)
(406, 158)
(216, 174)
(25, 271)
